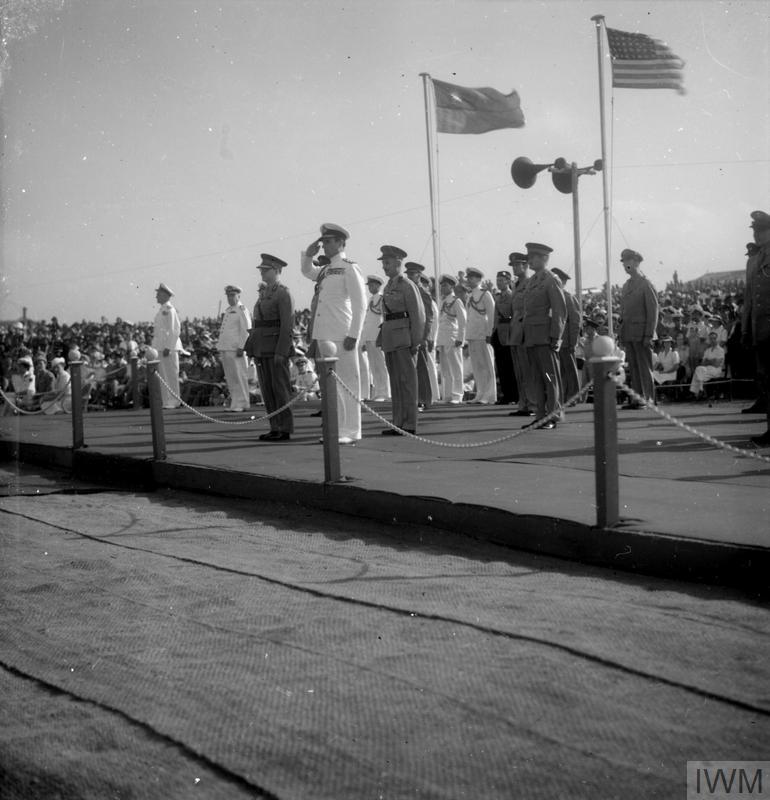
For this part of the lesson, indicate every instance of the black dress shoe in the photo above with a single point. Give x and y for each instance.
(763, 440)
(274, 436)
(318, 413)
(521, 413)
(756, 408)
(390, 432)
(547, 426)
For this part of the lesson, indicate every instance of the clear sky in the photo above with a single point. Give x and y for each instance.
(176, 140)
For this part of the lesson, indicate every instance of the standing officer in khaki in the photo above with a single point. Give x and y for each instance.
(638, 323)
(545, 314)
(570, 379)
(233, 333)
(402, 333)
(522, 273)
(425, 362)
(756, 313)
(270, 344)
(501, 338)
(339, 318)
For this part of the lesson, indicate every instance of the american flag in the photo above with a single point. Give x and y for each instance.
(641, 62)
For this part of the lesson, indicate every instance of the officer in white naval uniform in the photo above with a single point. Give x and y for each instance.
(452, 319)
(339, 318)
(377, 372)
(233, 332)
(165, 339)
(478, 334)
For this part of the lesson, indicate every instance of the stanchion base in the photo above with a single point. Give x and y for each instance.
(341, 479)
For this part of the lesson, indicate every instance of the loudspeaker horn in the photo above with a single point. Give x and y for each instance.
(524, 172)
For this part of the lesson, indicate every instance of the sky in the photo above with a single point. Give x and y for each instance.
(176, 140)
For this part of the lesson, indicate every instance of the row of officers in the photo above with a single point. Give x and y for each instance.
(395, 321)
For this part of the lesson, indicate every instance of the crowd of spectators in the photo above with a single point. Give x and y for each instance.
(34, 355)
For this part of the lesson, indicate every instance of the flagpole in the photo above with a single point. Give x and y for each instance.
(599, 19)
(431, 187)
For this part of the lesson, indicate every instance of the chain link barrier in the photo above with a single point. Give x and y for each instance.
(48, 403)
(685, 427)
(208, 418)
(532, 426)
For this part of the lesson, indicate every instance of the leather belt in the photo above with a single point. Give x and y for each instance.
(267, 323)
(397, 315)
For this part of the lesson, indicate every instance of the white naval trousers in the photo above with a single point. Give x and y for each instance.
(451, 362)
(483, 366)
(378, 371)
(168, 369)
(348, 410)
(237, 378)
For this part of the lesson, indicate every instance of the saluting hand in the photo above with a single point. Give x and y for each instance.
(313, 247)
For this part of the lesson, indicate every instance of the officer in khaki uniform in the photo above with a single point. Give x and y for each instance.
(638, 324)
(755, 328)
(501, 339)
(401, 334)
(570, 378)
(271, 344)
(520, 267)
(425, 363)
(545, 314)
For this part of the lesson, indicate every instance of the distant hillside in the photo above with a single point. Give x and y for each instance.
(715, 277)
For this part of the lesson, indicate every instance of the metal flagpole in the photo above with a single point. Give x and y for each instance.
(599, 19)
(431, 174)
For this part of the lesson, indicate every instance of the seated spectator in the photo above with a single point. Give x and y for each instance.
(711, 366)
(306, 382)
(61, 402)
(21, 391)
(665, 363)
(44, 378)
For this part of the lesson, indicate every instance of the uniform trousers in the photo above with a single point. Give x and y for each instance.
(483, 366)
(544, 378)
(237, 378)
(168, 369)
(348, 410)
(378, 371)
(639, 358)
(363, 371)
(402, 369)
(451, 361)
(523, 380)
(570, 379)
(425, 385)
(275, 385)
(509, 392)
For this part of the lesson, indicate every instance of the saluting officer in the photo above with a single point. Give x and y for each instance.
(402, 333)
(339, 318)
(270, 344)
(570, 379)
(545, 314)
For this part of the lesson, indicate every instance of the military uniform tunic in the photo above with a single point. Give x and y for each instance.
(501, 346)
(451, 329)
(755, 322)
(165, 336)
(403, 329)
(638, 323)
(545, 314)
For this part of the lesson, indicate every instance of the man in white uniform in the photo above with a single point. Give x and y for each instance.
(165, 339)
(233, 332)
(339, 318)
(452, 319)
(478, 333)
(377, 372)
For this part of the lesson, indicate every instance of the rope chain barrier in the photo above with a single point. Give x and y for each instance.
(61, 394)
(532, 426)
(685, 427)
(248, 421)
